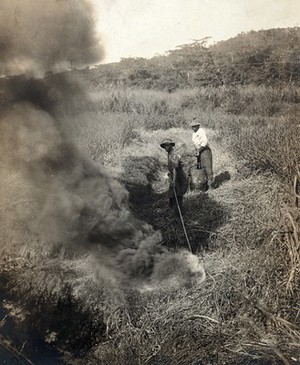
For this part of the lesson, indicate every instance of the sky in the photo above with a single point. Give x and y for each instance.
(145, 28)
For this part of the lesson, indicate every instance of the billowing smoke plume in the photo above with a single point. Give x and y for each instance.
(46, 35)
(51, 196)
(62, 197)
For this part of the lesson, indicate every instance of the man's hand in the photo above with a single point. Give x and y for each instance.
(201, 149)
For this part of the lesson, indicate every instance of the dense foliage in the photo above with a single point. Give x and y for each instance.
(266, 57)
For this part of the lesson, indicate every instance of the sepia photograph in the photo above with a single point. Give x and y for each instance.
(149, 182)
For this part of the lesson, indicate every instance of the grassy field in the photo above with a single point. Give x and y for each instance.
(106, 266)
(258, 125)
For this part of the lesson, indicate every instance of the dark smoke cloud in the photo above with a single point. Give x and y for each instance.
(52, 198)
(66, 198)
(41, 35)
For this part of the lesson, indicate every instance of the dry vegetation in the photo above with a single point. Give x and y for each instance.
(246, 230)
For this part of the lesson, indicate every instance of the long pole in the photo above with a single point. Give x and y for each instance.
(182, 222)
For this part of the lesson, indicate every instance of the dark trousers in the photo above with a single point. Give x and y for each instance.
(204, 161)
(173, 204)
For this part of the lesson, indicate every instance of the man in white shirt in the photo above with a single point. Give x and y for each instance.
(203, 152)
(199, 138)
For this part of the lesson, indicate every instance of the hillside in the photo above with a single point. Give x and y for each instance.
(265, 57)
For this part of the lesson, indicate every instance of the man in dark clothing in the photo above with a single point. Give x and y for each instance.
(178, 180)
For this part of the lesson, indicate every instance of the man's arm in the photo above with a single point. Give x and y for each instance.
(175, 164)
(174, 177)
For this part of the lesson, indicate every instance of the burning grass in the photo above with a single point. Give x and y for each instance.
(136, 294)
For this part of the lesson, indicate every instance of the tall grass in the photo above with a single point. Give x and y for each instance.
(248, 100)
(258, 124)
(274, 149)
(101, 136)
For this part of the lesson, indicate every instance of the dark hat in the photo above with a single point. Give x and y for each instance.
(167, 142)
(195, 124)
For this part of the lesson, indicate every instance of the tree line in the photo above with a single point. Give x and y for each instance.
(268, 57)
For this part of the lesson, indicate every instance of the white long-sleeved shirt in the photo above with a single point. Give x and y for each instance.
(200, 138)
